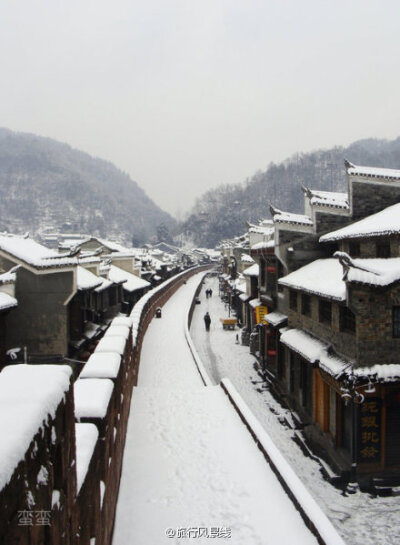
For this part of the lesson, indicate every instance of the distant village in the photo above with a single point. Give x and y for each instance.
(59, 295)
(318, 298)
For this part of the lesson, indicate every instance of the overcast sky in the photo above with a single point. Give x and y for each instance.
(187, 94)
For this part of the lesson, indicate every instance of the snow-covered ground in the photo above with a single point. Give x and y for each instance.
(190, 464)
(359, 518)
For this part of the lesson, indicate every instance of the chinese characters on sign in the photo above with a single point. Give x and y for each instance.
(261, 311)
(370, 431)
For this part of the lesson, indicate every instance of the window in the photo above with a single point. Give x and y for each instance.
(347, 320)
(293, 299)
(306, 304)
(383, 249)
(325, 312)
(396, 322)
(354, 249)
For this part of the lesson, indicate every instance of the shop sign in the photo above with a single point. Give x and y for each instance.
(261, 311)
(370, 431)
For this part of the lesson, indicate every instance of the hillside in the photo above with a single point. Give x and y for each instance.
(47, 184)
(222, 212)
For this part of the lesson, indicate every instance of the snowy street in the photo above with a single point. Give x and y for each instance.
(191, 468)
(360, 519)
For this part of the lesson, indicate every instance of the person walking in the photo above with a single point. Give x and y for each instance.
(207, 321)
(210, 292)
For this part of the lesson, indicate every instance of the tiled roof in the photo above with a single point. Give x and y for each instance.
(287, 217)
(372, 172)
(383, 223)
(327, 198)
(33, 253)
(323, 277)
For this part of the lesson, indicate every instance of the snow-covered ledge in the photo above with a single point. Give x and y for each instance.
(314, 517)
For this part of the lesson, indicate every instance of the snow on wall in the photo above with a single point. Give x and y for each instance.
(86, 435)
(92, 397)
(117, 331)
(28, 395)
(102, 365)
(111, 344)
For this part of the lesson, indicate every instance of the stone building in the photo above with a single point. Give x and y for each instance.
(330, 346)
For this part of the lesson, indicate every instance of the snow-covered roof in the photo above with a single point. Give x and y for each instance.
(252, 271)
(86, 435)
(329, 199)
(86, 280)
(246, 258)
(33, 253)
(389, 372)
(244, 297)
(332, 364)
(374, 272)
(383, 223)
(114, 246)
(372, 172)
(323, 277)
(255, 303)
(287, 217)
(131, 281)
(6, 301)
(304, 344)
(263, 245)
(266, 230)
(28, 394)
(8, 277)
(275, 318)
(92, 397)
(105, 284)
(111, 344)
(102, 365)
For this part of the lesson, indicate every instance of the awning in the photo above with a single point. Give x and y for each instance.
(304, 344)
(315, 351)
(275, 318)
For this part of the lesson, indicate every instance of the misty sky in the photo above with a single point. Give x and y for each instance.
(187, 94)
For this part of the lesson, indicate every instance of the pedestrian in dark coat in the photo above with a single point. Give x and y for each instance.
(207, 321)
(210, 292)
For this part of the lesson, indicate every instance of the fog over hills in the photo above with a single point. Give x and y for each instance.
(222, 212)
(45, 184)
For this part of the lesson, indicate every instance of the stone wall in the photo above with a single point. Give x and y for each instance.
(344, 343)
(369, 197)
(40, 322)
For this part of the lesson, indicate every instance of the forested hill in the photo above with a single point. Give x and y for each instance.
(222, 213)
(47, 184)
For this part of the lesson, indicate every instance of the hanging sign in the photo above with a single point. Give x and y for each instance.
(261, 311)
(370, 431)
